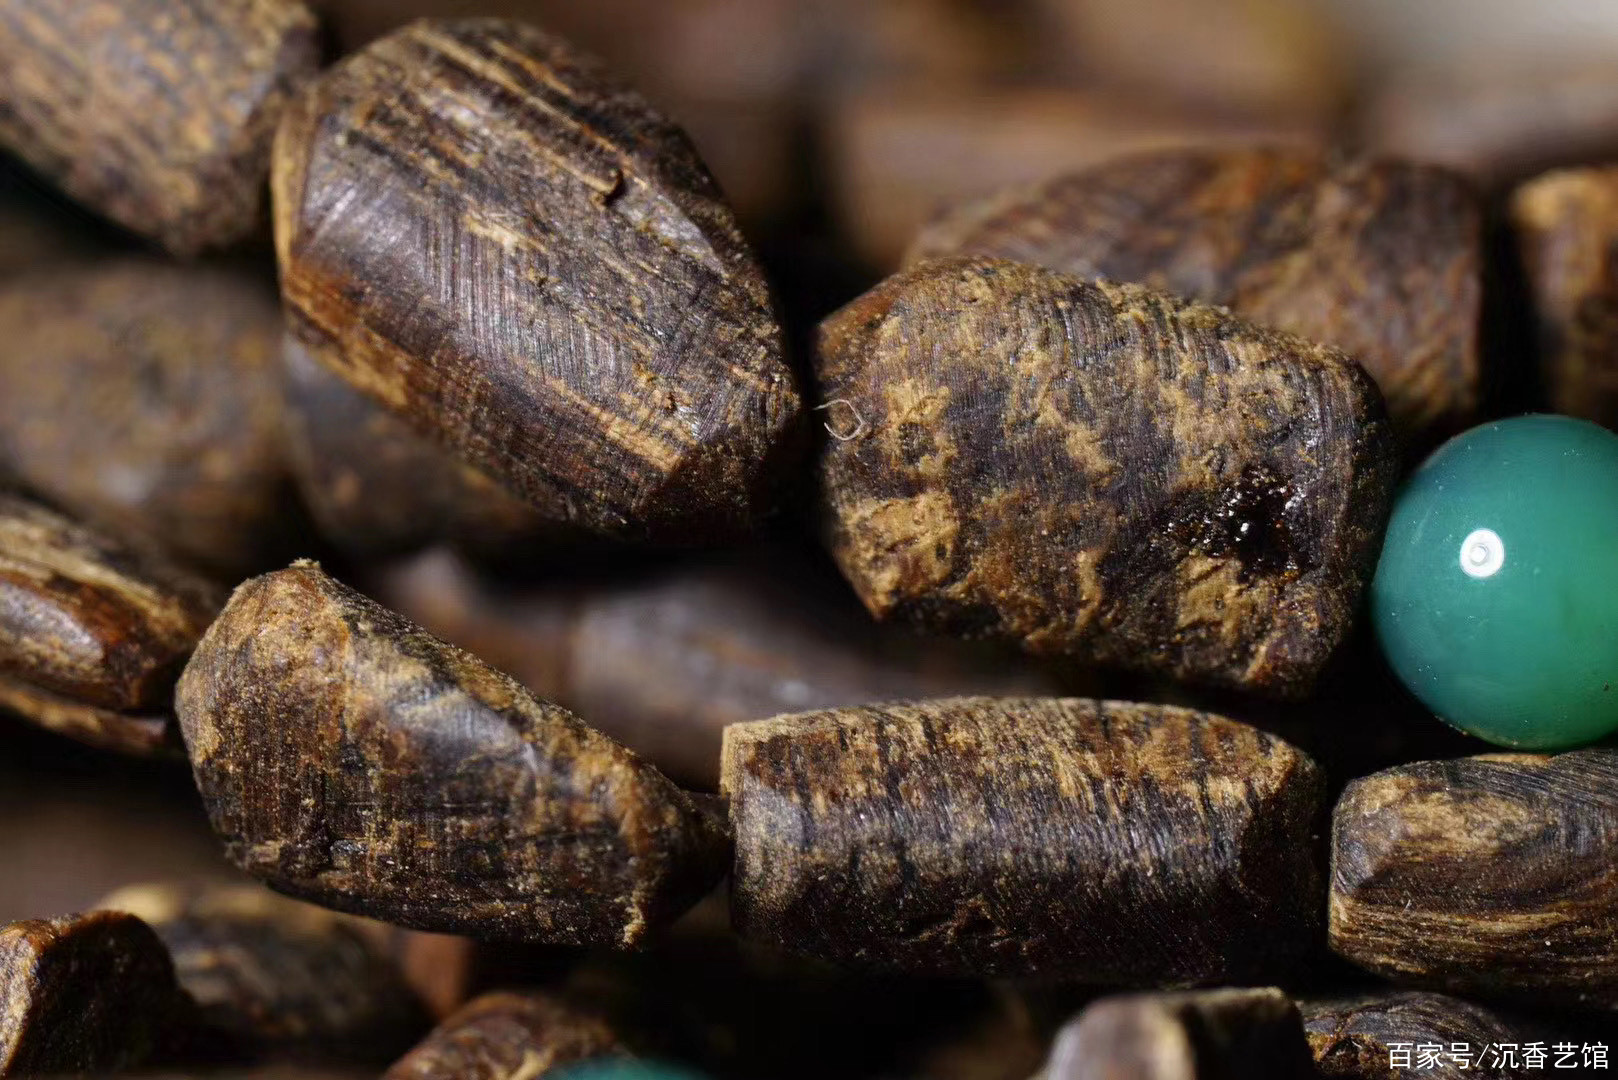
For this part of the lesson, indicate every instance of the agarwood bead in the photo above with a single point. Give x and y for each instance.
(1357, 1037)
(157, 113)
(960, 144)
(1104, 843)
(612, 357)
(377, 487)
(1566, 226)
(140, 734)
(664, 662)
(81, 993)
(350, 759)
(271, 977)
(1493, 875)
(92, 633)
(1200, 1035)
(501, 1035)
(1380, 258)
(1101, 471)
(145, 397)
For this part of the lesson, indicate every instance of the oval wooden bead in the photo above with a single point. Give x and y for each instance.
(1101, 471)
(81, 994)
(504, 1035)
(350, 759)
(157, 113)
(1380, 258)
(92, 633)
(145, 397)
(270, 977)
(485, 232)
(1096, 842)
(1494, 875)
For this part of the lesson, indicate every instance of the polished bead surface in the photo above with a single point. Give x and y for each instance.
(623, 1069)
(1496, 597)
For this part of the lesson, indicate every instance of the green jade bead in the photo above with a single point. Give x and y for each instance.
(1496, 598)
(622, 1069)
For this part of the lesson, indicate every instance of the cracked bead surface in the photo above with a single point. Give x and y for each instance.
(1496, 597)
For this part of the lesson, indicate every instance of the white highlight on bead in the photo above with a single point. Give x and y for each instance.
(1483, 553)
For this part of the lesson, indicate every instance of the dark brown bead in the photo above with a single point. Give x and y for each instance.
(1103, 843)
(1203, 1035)
(377, 487)
(1380, 258)
(1359, 1037)
(348, 758)
(86, 992)
(503, 1035)
(1493, 875)
(1566, 226)
(1101, 471)
(92, 633)
(615, 360)
(271, 977)
(157, 113)
(663, 663)
(146, 398)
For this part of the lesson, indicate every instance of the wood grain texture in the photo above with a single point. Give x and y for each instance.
(664, 662)
(145, 397)
(1566, 225)
(1100, 471)
(485, 232)
(88, 624)
(81, 993)
(503, 1035)
(377, 487)
(1355, 1037)
(350, 759)
(1379, 258)
(273, 978)
(157, 113)
(1096, 842)
(1202, 1035)
(1493, 875)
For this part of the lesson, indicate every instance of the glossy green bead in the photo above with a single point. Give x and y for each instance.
(1496, 597)
(623, 1069)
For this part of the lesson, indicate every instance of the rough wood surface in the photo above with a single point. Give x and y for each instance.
(504, 1035)
(274, 978)
(157, 113)
(1101, 471)
(89, 626)
(377, 487)
(1380, 258)
(1493, 875)
(1566, 226)
(145, 397)
(1104, 843)
(1204, 1035)
(613, 358)
(86, 992)
(348, 758)
(1357, 1038)
(663, 663)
